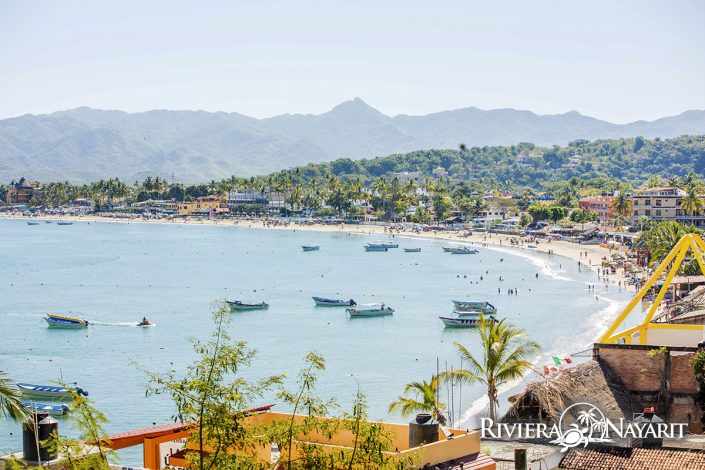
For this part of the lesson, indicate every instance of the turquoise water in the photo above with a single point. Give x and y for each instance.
(118, 273)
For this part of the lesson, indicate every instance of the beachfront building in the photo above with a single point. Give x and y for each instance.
(21, 192)
(202, 205)
(440, 448)
(600, 205)
(663, 203)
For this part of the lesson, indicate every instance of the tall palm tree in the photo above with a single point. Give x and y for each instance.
(692, 203)
(424, 400)
(660, 238)
(505, 356)
(622, 204)
(10, 404)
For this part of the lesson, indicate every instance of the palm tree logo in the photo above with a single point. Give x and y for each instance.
(590, 427)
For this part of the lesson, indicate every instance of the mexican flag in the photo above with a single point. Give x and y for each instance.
(559, 362)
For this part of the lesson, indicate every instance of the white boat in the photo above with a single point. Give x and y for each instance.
(375, 248)
(470, 307)
(460, 322)
(370, 310)
(323, 302)
(46, 408)
(48, 391)
(238, 306)
(310, 247)
(384, 244)
(464, 251)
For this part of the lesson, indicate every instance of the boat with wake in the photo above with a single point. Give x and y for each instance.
(49, 391)
(61, 321)
(239, 306)
(323, 302)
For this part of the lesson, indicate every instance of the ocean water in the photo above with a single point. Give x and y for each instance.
(114, 274)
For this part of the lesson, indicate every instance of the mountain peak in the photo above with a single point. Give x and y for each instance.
(356, 105)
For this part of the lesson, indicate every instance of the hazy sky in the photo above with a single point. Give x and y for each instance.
(615, 60)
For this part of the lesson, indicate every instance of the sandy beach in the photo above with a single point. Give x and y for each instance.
(589, 256)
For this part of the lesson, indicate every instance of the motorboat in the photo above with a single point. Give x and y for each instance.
(470, 306)
(323, 302)
(370, 310)
(61, 321)
(64, 223)
(145, 323)
(49, 391)
(311, 247)
(376, 248)
(32, 222)
(460, 322)
(384, 244)
(412, 250)
(59, 409)
(464, 251)
(237, 305)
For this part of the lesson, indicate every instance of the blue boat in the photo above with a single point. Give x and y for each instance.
(48, 391)
(60, 321)
(323, 302)
(54, 410)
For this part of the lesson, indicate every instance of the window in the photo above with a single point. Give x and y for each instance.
(658, 202)
(658, 212)
(647, 212)
(647, 202)
(636, 212)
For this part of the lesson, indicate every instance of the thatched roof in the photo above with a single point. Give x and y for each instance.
(585, 383)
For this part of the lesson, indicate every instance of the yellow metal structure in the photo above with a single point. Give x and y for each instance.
(674, 259)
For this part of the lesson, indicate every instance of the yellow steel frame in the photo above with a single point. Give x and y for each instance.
(690, 242)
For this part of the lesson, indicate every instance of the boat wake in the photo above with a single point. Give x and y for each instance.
(117, 323)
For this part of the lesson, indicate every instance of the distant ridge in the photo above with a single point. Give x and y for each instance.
(85, 144)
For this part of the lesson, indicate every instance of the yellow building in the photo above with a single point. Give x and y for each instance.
(201, 204)
(166, 444)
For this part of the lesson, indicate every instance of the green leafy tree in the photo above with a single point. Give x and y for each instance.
(214, 396)
(11, 405)
(692, 203)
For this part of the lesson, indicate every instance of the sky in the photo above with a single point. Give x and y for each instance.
(615, 60)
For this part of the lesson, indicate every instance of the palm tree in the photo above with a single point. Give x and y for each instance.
(660, 238)
(423, 402)
(622, 204)
(692, 203)
(10, 404)
(505, 356)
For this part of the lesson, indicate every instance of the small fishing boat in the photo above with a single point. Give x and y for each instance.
(375, 248)
(412, 250)
(469, 306)
(48, 221)
(384, 244)
(370, 310)
(48, 391)
(464, 251)
(323, 302)
(47, 408)
(64, 223)
(32, 222)
(241, 306)
(449, 249)
(460, 322)
(311, 247)
(61, 321)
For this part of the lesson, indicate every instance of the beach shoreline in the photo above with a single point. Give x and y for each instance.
(588, 256)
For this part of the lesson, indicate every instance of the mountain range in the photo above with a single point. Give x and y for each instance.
(87, 144)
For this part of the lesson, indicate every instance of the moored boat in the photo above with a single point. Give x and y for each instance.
(47, 408)
(61, 321)
(384, 244)
(448, 249)
(48, 391)
(310, 247)
(412, 250)
(464, 251)
(323, 302)
(460, 322)
(64, 223)
(375, 248)
(48, 221)
(239, 306)
(469, 306)
(32, 222)
(370, 310)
